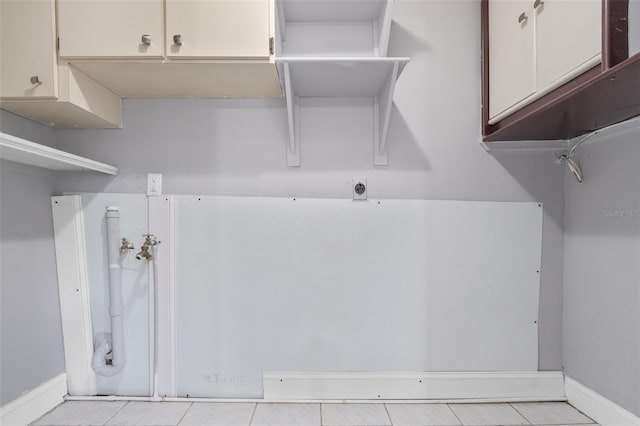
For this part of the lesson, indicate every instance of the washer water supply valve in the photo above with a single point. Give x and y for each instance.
(149, 242)
(126, 245)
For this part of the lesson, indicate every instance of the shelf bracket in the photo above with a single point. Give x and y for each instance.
(281, 21)
(384, 29)
(382, 104)
(293, 111)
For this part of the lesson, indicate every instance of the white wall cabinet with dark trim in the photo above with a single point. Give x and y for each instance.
(538, 45)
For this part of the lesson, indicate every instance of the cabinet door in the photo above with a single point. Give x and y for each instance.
(27, 49)
(568, 37)
(110, 29)
(511, 53)
(218, 28)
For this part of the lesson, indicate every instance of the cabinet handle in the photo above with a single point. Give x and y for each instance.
(537, 3)
(177, 40)
(146, 39)
(35, 80)
(522, 18)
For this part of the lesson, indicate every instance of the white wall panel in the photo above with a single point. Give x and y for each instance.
(237, 146)
(276, 284)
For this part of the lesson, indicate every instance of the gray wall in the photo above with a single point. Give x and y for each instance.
(31, 350)
(237, 147)
(602, 267)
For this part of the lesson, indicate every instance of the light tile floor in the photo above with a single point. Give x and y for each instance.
(86, 413)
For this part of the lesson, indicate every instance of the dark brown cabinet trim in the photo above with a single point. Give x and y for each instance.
(606, 94)
(615, 32)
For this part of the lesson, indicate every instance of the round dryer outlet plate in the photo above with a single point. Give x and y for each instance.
(360, 188)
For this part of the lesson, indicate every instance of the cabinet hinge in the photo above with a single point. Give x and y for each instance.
(271, 45)
(58, 44)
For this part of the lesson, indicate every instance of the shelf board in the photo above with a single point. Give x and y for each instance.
(34, 154)
(308, 13)
(340, 77)
(332, 11)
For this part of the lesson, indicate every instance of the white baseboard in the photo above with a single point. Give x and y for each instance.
(596, 406)
(413, 386)
(34, 403)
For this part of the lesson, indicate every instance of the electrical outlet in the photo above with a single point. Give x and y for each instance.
(359, 188)
(154, 184)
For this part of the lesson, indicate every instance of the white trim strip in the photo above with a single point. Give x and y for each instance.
(35, 403)
(173, 294)
(414, 386)
(161, 224)
(596, 406)
(73, 291)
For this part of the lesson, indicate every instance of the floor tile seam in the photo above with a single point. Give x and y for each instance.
(253, 413)
(386, 410)
(454, 413)
(521, 415)
(185, 413)
(116, 413)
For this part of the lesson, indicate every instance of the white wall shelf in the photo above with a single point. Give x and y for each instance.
(341, 77)
(376, 14)
(23, 151)
(322, 10)
(337, 49)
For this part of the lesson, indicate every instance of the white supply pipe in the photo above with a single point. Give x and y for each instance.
(154, 324)
(116, 307)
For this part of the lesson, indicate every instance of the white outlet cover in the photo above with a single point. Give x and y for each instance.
(356, 182)
(154, 184)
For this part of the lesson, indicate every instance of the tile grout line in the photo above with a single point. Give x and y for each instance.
(253, 413)
(454, 413)
(386, 410)
(578, 424)
(116, 413)
(185, 413)
(518, 411)
(593, 422)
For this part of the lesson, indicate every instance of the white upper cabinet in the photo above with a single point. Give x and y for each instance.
(568, 36)
(27, 44)
(218, 29)
(110, 29)
(536, 46)
(512, 54)
(195, 29)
